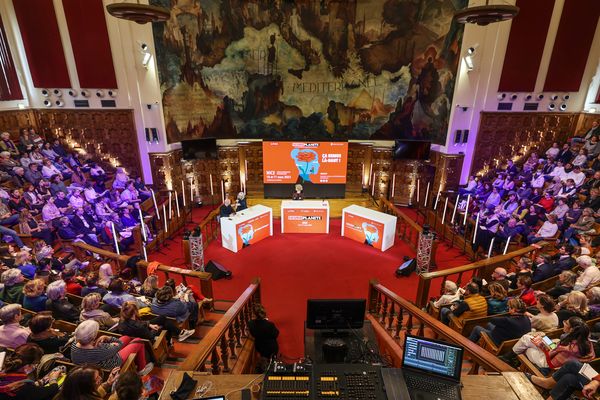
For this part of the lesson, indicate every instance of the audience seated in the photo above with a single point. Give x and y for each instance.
(473, 305)
(42, 334)
(504, 328)
(12, 334)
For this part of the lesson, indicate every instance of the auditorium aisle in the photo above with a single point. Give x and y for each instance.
(296, 267)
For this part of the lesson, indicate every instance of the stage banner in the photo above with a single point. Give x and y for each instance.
(305, 220)
(253, 230)
(300, 162)
(363, 230)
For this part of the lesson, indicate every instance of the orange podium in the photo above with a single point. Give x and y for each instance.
(305, 216)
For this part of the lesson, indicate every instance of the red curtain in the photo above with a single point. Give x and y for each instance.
(9, 82)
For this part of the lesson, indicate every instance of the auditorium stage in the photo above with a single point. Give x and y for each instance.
(335, 205)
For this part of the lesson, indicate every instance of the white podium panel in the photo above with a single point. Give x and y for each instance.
(306, 216)
(368, 226)
(246, 227)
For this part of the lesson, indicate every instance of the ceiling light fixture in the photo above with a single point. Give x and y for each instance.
(140, 13)
(487, 14)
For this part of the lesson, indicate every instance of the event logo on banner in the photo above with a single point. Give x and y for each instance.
(304, 220)
(363, 230)
(300, 162)
(253, 230)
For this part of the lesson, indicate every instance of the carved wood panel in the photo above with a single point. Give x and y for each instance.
(107, 135)
(502, 135)
(12, 121)
(358, 156)
(448, 168)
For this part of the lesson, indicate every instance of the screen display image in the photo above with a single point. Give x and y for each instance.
(304, 162)
(335, 313)
(431, 356)
(199, 149)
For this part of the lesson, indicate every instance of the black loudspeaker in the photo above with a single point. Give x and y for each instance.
(407, 267)
(217, 270)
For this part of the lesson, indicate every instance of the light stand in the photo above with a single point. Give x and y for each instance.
(196, 250)
(426, 238)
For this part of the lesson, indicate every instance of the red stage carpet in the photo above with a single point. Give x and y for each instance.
(295, 267)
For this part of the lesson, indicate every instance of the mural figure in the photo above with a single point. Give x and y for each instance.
(311, 69)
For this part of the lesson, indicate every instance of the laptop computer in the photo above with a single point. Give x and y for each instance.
(431, 369)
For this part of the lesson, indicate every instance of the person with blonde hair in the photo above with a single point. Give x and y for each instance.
(24, 264)
(575, 305)
(35, 297)
(450, 295)
(298, 192)
(90, 309)
(131, 325)
(497, 302)
(504, 328)
(566, 281)
(150, 286)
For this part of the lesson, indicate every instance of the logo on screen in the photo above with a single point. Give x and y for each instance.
(307, 162)
(371, 233)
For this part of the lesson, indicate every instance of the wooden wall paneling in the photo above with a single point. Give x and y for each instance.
(357, 160)
(382, 162)
(12, 121)
(585, 122)
(166, 170)
(229, 163)
(253, 154)
(407, 173)
(109, 135)
(502, 134)
(448, 169)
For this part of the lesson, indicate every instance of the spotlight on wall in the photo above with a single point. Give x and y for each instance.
(47, 103)
(85, 93)
(501, 96)
(554, 97)
(45, 92)
(528, 97)
(112, 92)
(514, 96)
(566, 96)
(72, 92)
(100, 93)
(540, 96)
(551, 106)
(563, 106)
(146, 59)
(60, 103)
(57, 92)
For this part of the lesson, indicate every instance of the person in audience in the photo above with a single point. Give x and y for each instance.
(450, 295)
(12, 334)
(42, 334)
(499, 276)
(23, 261)
(51, 213)
(240, 202)
(73, 284)
(511, 230)
(91, 285)
(166, 305)
(567, 191)
(90, 309)
(12, 292)
(68, 232)
(34, 295)
(566, 281)
(573, 344)
(523, 268)
(572, 215)
(117, 294)
(128, 386)
(567, 379)
(584, 224)
(265, 335)
(57, 186)
(590, 274)
(29, 226)
(16, 202)
(575, 305)
(150, 286)
(593, 295)
(18, 378)
(131, 325)
(547, 202)
(497, 301)
(527, 294)
(544, 269)
(563, 259)
(58, 304)
(546, 320)
(500, 329)
(105, 275)
(577, 175)
(85, 383)
(473, 305)
(546, 231)
(105, 351)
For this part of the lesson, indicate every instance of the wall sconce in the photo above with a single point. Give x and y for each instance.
(469, 59)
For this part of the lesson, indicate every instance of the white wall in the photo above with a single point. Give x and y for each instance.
(478, 89)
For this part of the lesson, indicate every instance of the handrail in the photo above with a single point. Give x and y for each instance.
(225, 336)
(205, 278)
(406, 229)
(389, 311)
(482, 268)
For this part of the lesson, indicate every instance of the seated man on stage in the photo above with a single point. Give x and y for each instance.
(226, 209)
(240, 202)
(298, 193)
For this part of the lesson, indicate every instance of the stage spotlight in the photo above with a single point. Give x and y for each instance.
(551, 106)
(47, 103)
(563, 107)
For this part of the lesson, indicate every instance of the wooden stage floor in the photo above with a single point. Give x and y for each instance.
(335, 205)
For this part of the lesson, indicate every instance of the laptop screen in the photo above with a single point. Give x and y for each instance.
(432, 356)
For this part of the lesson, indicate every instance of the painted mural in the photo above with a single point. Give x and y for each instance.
(308, 69)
